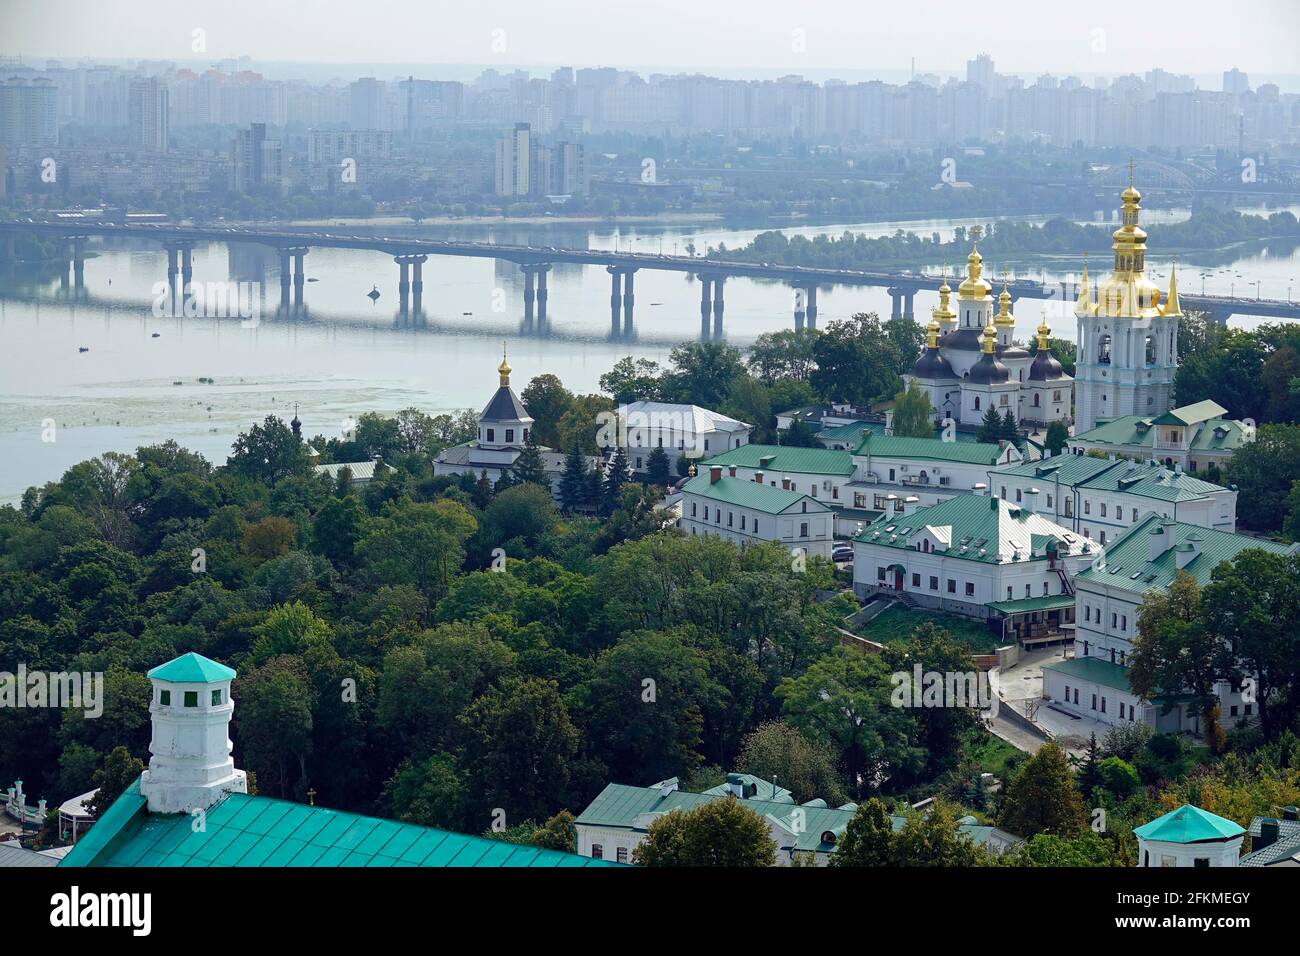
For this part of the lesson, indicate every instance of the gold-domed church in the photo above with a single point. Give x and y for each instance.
(1128, 337)
(970, 362)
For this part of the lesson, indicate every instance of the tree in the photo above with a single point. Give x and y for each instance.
(1263, 470)
(933, 838)
(858, 361)
(520, 744)
(1049, 849)
(799, 435)
(119, 771)
(1252, 605)
(776, 751)
(844, 699)
(631, 380)
(1088, 777)
(721, 832)
(268, 452)
(528, 467)
(868, 839)
(1043, 798)
(616, 474)
(338, 527)
(1011, 429)
(429, 792)
(483, 490)
(912, 413)
(1173, 653)
(547, 401)
(657, 471)
(990, 430)
(784, 354)
(1057, 436)
(275, 724)
(1119, 778)
(574, 481)
(703, 373)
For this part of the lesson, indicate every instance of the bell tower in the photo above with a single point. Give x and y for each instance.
(1127, 338)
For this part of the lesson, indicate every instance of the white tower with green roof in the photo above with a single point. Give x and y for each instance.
(1189, 836)
(190, 766)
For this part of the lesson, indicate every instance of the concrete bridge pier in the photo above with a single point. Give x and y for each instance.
(799, 309)
(812, 307)
(628, 300)
(79, 262)
(173, 271)
(908, 310)
(706, 306)
(718, 282)
(541, 269)
(417, 283)
(285, 275)
(615, 298)
(895, 302)
(299, 277)
(403, 283)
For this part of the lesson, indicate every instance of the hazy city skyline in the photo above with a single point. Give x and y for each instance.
(1108, 38)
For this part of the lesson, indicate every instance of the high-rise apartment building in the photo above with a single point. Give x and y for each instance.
(148, 115)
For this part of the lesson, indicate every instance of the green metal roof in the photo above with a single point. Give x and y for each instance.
(1133, 431)
(977, 524)
(1189, 824)
(852, 432)
(1192, 414)
(931, 449)
(1050, 602)
(619, 805)
(763, 789)
(192, 668)
(255, 831)
(749, 494)
(808, 461)
(1067, 469)
(1127, 563)
(1149, 479)
(1094, 670)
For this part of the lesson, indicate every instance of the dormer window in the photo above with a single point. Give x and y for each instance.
(165, 698)
(191, 698)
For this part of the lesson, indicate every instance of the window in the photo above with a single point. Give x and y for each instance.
(1103, 509)
(880, 574)
(730, 516)
(1087, 506)
(216, 697)
(706, 444)
(1008, 592)
(1103, 705)
(1201, 862)
(597, 852)
(492, 435)
(191, 698)
(526, 435)
(803, 529)
(1003, 400)
(1103, 537)
(1094, 701)
(952, 586)
(1018, 496)
(510, 435)
(891, 474)
(934, 583)
(695, 509)
(638, 459)
(1029, 590)
(165, 697)
(1004, 492)
(1049, 501)
(621, 854)
(1044, 589)
(916, 580)
(755, 526)
(742, 522)
(977, 403)
(970, 588)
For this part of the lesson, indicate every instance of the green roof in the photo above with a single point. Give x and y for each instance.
(1134, 431)
(1192, 414)
(1150, 479)
(1050, 602)
(1066, 469)
(976, 523)
(254, 831)
(1094, 670)
(192, 668)
(808, 461)
(931, 449)
(1128, 563)
(748, 494)
(619, 806)
(1189, 824)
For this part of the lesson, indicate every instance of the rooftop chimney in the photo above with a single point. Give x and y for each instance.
(731, 471)
(1189, 550)
(758, 477)
(785, 483)
(715, 474)
(1268, 831)
(979, 488)
(1158, 539)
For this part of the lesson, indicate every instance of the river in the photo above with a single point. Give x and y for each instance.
(138, 379)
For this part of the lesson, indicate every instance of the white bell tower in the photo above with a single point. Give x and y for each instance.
(190, 766)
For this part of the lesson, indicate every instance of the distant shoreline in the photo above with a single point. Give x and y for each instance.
(485, 220)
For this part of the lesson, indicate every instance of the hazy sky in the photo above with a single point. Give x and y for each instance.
(812, 36)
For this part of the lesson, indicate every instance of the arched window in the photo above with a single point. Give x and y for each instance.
(977, 403)
(1151, 349)
(1103, 350)
(1035, 399)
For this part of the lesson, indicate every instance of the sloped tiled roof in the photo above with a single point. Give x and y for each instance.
(699, 418)
(810, 461)
(1128, 563)
(933, 449)
(985, 529)
(749, 494)
(255, 831)
(505, 406)
(1285, 849)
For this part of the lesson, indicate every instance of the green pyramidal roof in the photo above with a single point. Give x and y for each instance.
(1189, 824)
(192, 668)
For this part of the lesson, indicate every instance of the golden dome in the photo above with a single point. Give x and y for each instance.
(1004, 316)
(1044, 333)
(504, 369)
(1127, 292)
(989, 339)
(973, 286)
(944, 314)
(932, 331)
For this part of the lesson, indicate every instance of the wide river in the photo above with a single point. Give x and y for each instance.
(80, 375)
